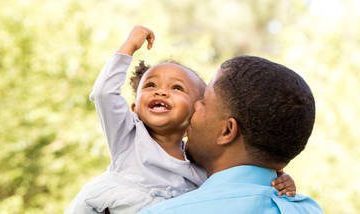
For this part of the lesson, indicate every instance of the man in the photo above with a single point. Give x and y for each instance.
(255, 117)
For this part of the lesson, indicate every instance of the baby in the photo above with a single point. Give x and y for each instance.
(148, 164)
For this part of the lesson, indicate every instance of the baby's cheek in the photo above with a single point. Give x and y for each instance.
(186, 122)
(187, 119)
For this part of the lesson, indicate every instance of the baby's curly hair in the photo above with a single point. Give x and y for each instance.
(141, 68)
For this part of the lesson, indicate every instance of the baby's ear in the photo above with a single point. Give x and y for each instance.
(133, 107)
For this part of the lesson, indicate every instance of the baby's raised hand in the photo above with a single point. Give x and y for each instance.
(284, 184)
(136, 39)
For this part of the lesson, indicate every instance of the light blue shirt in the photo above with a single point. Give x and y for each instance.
(241, 189)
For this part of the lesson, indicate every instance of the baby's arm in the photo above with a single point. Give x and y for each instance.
(284, 184)
(115, 116)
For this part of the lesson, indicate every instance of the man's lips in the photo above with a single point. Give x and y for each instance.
(159, 106)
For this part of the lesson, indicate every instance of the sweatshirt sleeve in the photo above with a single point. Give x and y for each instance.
(115, 116)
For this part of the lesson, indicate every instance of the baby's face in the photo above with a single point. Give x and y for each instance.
(166, 96)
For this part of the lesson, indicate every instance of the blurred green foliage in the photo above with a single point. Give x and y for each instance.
(51, 51)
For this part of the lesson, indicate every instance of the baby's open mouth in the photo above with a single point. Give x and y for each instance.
(159, 106)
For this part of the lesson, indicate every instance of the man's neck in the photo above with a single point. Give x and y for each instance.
(221, 165)
(236, 154)
(226, 163)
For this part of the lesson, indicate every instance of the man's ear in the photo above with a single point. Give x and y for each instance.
(133, 107)
(229, 132)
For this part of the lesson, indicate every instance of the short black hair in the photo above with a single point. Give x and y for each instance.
(273, 106)
(141, 68)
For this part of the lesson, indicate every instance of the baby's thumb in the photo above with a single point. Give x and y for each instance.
(150, 40)
(149, 45)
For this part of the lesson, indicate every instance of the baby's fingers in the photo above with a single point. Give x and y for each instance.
(286, 187)
(287, 192)
(283, 178)
(284, 184)
(279, 186)
(291, 194)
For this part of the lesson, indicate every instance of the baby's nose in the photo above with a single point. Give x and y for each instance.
(162, 92)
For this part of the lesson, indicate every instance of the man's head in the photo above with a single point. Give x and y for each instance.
(262, 113)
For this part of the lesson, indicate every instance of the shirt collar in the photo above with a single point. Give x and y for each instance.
(242, 174)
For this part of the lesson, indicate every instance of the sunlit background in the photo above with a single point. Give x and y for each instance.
(51, 51)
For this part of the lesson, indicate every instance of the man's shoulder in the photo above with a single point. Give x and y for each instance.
(214, 200)
(247, 198)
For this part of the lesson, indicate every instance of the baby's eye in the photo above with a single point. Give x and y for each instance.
(149, 85)
(178, 87)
